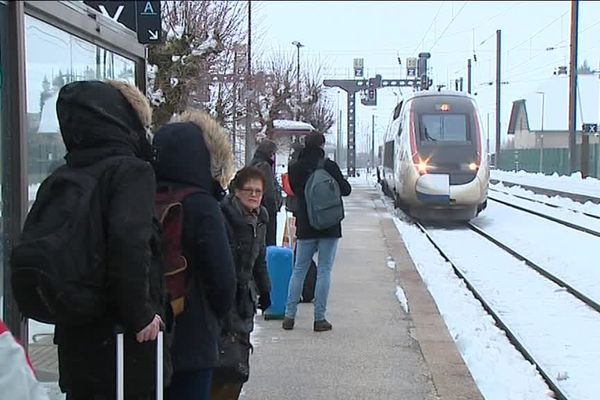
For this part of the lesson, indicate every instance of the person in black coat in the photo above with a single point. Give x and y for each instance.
(100, 121)
(247, 224)
(263, 160)
(194, 151)
(311, 240)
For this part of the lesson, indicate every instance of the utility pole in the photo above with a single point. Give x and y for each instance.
(487, 150)
(298, 45)
(573, 84)
(469, 76)
(498, 65)
(373, 141)
(339, 139)
(234, 105)
(249, 137)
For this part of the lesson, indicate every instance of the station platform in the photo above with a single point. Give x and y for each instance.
(376, 350)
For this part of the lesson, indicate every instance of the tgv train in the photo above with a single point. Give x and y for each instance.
(432, 162)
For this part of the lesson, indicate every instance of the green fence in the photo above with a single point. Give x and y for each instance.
(548, 161)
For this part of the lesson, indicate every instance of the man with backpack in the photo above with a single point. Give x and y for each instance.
(318, 184)
(87, 259)
(272, 198)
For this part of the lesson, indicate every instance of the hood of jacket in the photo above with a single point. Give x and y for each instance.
(99, 118)
(194, 149)
(260, 157)
(311, 154)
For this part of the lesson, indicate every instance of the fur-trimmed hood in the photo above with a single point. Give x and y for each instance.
(194, 149)
(104, 116)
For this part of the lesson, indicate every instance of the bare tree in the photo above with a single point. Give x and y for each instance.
(200, 37)
(277, 98)
(314, 106)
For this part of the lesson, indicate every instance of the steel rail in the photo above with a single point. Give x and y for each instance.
(512, 338)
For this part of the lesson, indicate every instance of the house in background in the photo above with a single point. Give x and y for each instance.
(541, 119)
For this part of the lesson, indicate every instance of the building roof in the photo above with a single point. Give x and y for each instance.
(556, 103)
(517, 108)
(285, 127)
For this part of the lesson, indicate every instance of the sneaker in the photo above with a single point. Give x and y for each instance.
(288, 324)
(322, 326)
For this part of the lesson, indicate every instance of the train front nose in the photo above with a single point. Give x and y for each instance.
(445, 190)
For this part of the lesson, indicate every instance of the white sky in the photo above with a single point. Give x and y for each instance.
(336, 32)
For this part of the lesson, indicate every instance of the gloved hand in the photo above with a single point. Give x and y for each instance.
(264, 301)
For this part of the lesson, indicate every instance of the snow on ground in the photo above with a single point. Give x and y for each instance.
(401, 296)
(571, 184)
(562, 213)
(499, 370)
(561, 250)
(563, 202)
(557, 329)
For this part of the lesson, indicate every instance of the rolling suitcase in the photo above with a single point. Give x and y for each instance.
(279, 265)
(121, 368)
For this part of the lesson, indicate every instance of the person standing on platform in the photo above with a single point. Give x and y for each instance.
(264, 160)
(247, 224)
(194, 152)
(311, 240)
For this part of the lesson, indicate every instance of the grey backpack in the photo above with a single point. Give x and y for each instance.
(323, 200)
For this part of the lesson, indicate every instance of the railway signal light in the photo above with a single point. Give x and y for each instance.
(371, 92)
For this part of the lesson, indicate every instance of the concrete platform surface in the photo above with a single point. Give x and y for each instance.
(375, 350)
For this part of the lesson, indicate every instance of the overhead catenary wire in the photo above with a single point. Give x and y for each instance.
(447, 26)
(414, 52)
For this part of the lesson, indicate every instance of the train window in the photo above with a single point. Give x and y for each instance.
(443, 128)
(397, 109)
(388, 154)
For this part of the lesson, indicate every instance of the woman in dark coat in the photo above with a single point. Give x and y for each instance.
(194, 152)
(247, 225)
(107, 121)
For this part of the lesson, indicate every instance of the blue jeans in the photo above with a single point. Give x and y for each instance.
(305, 249)
(191, 385)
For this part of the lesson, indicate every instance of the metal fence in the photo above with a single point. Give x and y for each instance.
(548, 161)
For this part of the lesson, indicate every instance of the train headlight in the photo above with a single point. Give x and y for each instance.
(422, 167)
(473, 166)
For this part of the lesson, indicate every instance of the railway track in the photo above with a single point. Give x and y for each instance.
(563, 222)
(549, 192)
(595, 216)
(513, 336)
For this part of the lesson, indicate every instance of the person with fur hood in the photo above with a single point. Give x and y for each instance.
(193, 151)
(106, 124)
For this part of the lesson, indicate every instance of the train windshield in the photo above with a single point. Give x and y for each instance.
(444, 128)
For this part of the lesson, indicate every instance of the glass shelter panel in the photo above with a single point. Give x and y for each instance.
(55, 58)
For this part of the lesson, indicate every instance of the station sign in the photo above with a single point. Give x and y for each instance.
(142, 17)
(590, 128)
(359, 67)
(411, 66)
(149, 28)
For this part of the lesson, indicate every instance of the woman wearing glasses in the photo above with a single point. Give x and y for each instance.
(247, 224)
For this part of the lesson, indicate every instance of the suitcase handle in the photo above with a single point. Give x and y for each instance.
(121, 365)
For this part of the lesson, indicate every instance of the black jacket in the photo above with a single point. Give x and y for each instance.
(298, 174)
(184, 159)
(97, 121)
(247, 241)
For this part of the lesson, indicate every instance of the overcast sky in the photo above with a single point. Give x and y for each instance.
(336, 32)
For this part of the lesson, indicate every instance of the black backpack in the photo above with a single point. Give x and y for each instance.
(58, 265)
